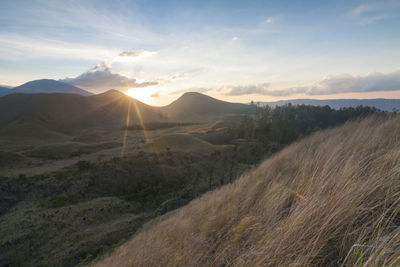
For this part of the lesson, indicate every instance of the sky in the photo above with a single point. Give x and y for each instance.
(232, 50)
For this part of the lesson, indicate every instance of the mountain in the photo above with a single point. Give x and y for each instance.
(198, 107)
(4, 90)
(331, 199)
(61, 112)
(71, 112)
(48, 86)
(379, 103)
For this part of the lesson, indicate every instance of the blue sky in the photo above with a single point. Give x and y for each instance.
(233, 50)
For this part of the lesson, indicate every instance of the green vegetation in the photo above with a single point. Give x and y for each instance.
(272, 129)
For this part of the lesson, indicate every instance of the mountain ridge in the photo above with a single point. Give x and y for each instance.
(62, 111)
(44, 86)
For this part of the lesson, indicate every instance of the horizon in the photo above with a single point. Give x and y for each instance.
(233, 51)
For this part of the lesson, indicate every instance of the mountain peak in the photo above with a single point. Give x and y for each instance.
(113, 92)
(195, 94)
(49, 86)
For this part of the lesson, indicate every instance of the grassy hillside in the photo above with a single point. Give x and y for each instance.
(330, 199)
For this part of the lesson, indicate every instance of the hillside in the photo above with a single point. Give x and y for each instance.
(48, 86)
(328, 200)
(380, 103)
(198, 107)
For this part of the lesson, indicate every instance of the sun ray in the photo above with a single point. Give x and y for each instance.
(128, 118)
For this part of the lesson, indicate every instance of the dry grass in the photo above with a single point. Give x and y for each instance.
(331, 199)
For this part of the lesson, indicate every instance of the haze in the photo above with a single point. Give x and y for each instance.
(233, 50)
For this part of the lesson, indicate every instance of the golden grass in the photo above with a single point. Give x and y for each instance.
(348, 213)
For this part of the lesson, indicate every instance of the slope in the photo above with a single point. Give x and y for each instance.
(48, 86)
(198, 107)
(331, 199)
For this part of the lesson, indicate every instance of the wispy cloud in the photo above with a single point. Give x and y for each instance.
(330, 85)
(18, 47)
(136, 53)
(369, 13)
(102, 77)
(345, 83)
(260, 89)
(129, 54)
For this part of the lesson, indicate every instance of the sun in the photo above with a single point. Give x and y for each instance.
(139, 94)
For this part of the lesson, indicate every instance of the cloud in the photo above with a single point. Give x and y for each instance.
(130, 53)
(260, 89)
(134, 54)
(369, 13)
(346, 83)
(101, 77)
(156, 94)
(13, 47)
(330, 85)
(235, 38)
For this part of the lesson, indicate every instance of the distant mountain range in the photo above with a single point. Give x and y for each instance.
(43, 106)
(41, 113)
(379, 103)
(44, 86)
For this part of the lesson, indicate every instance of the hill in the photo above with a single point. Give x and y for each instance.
(73, 112)
(379, 103)
(112, 109)
(330, 199)
(198, 107)
(48, 86)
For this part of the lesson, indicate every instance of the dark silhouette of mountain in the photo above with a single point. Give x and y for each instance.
(112, 109)
(379, 103)
(72, 111)
(48, 86)
(197, 107)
